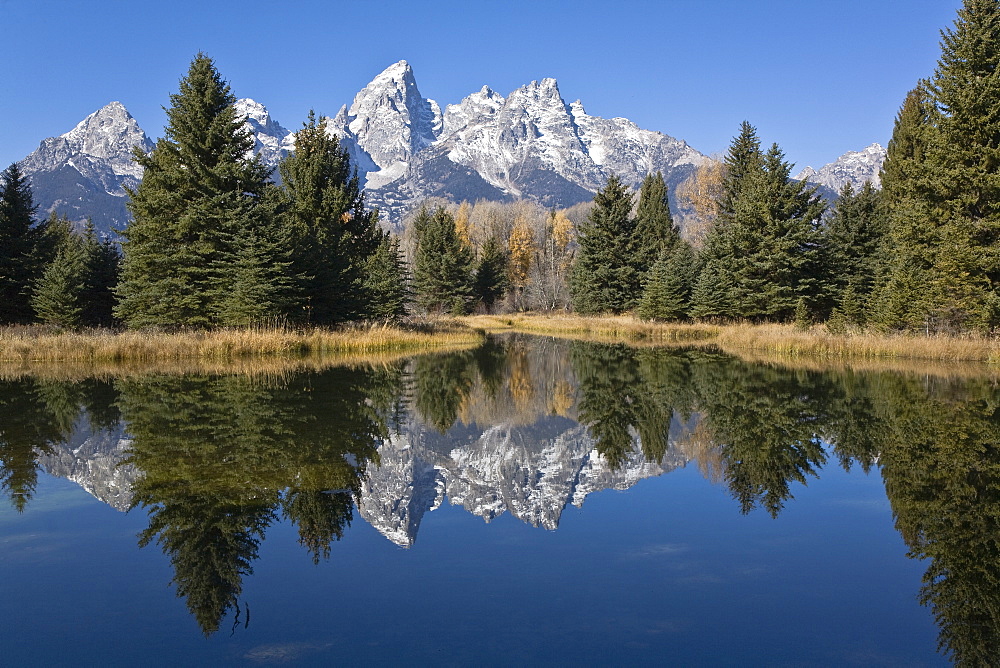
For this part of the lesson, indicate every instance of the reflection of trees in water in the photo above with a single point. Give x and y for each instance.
(941, 468)
(221, 456)
(34, 415)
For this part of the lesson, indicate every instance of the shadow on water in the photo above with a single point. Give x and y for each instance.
(221, 457)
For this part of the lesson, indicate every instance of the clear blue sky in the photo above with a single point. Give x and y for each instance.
(818, 77)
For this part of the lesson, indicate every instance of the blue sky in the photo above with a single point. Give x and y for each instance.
(818, 77)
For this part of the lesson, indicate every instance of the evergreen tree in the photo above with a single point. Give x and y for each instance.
(854, 242)
(604, 277)
(901, 298)
(945, 192)
(59, 295)
(491, 272)
(18, 238)
(762, 255)
(442, 273)
(668, 289)
(334, 234)
(655, 231)
(386, 280)
(199, 193)
(262, 282)
(103, 272)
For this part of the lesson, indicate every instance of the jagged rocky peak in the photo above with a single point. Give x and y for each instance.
(271, 140)
(389, 118)
(854, 167)
(85, 173)
(107, 135)
(472, 110)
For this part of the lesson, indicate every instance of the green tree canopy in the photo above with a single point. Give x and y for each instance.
(200, 192)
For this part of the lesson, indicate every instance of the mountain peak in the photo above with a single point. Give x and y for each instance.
(854, 167)
(399, 73)
(389, 119)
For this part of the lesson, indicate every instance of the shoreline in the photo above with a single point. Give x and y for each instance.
(26, 345)
(784, 341)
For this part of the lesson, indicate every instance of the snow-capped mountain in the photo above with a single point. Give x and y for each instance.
(854, 167)
(84, 173)
(530, 144)
(271, 141)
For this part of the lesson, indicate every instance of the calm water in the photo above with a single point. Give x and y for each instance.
(640, 506)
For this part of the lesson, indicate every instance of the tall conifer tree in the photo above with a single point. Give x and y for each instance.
(762, 254)
(334, 233)
(902, 298)
(18, 239)
(199, 193)
(605, 277)
(655, 231)
(442, 272)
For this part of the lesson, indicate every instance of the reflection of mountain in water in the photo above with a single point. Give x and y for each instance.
(532, 471)
(94, 460)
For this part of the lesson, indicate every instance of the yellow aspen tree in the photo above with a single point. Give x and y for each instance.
(522, 249)
(701, 192)
(462, 227)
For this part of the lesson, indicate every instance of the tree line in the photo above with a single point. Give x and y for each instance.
(217, 240)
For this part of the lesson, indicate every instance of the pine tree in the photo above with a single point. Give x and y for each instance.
(965, 160)
(655, 231)
(491, 272)
(604, 277)
(334, 233)
(901, 298)
(944, 188)
(762, 254)
(103, 261)
(386, 282)
(199, 193)
(442, 272)
(262, 283)
(18, 238)
(59, 294)
(854, 245)
(668, 289)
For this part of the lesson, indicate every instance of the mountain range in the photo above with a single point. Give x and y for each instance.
(530, 144)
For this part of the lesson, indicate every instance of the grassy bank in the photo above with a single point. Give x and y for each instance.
(740, 339)
(31, 345)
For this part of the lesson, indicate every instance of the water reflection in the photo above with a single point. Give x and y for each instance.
(519, 425)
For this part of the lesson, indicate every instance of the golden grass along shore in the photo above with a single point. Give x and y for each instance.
(28, 345)
(773, 339)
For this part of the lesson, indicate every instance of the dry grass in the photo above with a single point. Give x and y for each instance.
(604, 328)
(783, 341)
(32, 345)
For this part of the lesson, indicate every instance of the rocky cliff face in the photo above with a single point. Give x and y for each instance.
(85, 172)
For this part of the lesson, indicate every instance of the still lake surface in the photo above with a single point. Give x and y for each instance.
(532, 501)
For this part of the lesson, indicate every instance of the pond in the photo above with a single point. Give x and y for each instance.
(531, 501)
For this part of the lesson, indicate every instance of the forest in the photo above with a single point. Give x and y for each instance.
(217, 240)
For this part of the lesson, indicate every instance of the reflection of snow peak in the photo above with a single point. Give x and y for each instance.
(532, 471)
